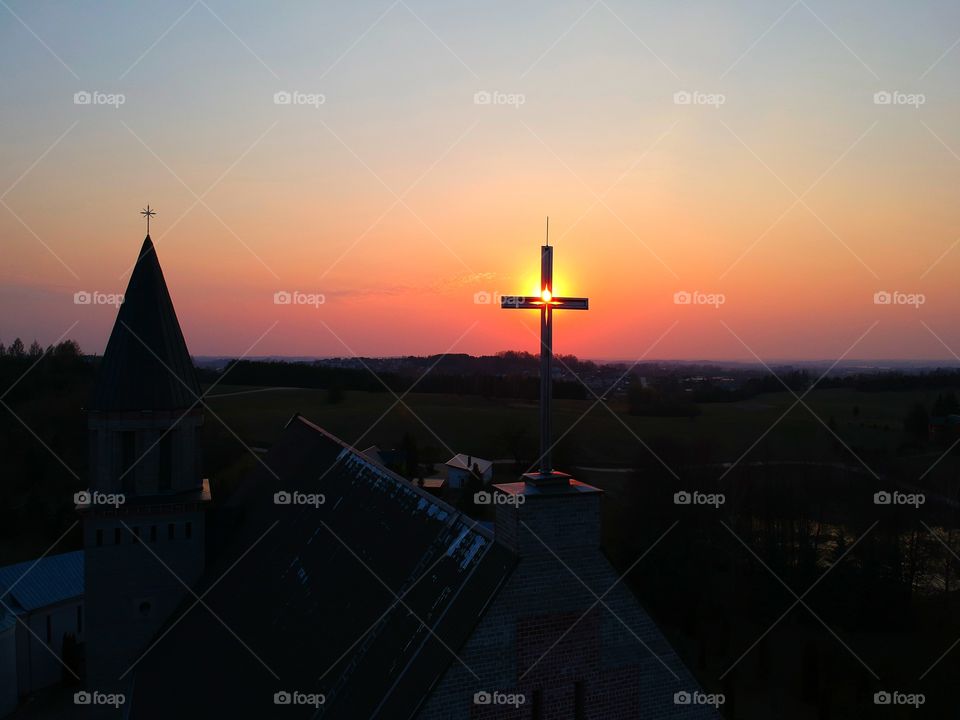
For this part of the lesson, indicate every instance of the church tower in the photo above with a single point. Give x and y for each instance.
(143, 517)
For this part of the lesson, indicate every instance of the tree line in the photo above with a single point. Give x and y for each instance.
(443, 378)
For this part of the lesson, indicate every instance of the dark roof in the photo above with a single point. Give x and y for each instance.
(386, 457)
(39, 583)
(131, 376)
(314, 598)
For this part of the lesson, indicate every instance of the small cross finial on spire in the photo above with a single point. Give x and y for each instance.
(148, 213)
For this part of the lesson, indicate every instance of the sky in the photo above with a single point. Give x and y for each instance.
(749, 180)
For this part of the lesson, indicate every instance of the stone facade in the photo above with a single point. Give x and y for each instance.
(130, 593)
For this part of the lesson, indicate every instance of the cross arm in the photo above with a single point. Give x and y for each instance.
(534, 302)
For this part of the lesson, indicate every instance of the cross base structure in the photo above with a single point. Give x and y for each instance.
(541, 479)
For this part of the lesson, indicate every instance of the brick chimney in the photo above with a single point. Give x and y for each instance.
(560, 513)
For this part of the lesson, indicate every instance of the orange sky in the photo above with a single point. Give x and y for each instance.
(647, 197)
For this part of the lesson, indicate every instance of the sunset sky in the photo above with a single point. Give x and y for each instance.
(785, 185)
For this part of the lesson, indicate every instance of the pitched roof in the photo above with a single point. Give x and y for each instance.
(146, 365)
(314, 592)
(560, 634)
(35, 584)
(466, 462)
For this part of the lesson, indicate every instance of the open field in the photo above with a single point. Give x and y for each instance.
(597, 434)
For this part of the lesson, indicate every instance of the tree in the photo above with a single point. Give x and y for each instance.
(471, 487)
(946, 404)
(670, 401)
(639, 398)
(411, 456)
(67, 349)
(16, 349)
(35, 350)
(514, 438)
(917, 422)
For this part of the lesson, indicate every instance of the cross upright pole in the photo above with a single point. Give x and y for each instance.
(546, 360)
(546, 303)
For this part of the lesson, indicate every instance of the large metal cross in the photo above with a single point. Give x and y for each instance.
(546, 303)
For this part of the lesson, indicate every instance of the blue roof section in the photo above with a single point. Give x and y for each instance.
(35, 584)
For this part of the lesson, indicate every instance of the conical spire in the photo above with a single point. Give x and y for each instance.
(131, 376)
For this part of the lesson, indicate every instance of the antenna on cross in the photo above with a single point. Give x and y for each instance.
(548, 231)
(148, 213)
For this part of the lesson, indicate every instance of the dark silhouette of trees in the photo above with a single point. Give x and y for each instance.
(411, 455)
(43, 442)
(518, 442)
(658, 401)
(490, 377)
(471, 487)
(917, 422)
(946, 404)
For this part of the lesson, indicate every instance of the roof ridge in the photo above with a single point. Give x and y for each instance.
(455, 513)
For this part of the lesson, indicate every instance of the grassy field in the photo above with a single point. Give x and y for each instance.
(593, 434)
